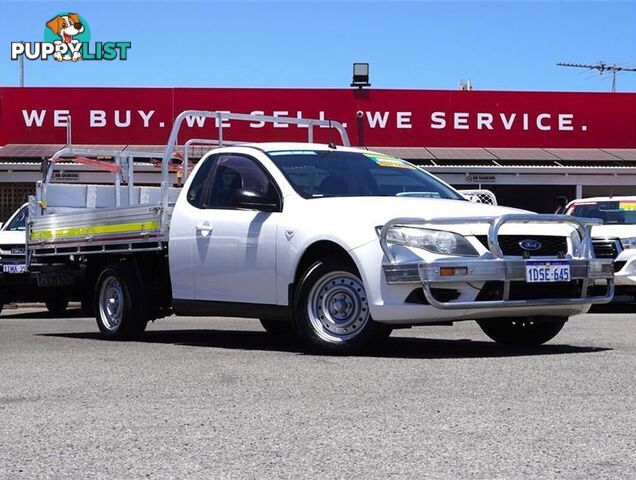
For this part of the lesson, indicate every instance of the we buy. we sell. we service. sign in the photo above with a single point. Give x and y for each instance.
(432, 118)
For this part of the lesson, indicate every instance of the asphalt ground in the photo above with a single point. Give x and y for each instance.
(220, 398)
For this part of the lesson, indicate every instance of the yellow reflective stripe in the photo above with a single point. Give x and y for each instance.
(95, 230)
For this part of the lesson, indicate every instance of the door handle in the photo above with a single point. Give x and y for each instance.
(204, 230)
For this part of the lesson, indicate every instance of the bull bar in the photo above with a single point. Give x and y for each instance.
(495, 266)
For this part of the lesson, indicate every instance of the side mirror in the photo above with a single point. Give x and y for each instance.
(253, 200)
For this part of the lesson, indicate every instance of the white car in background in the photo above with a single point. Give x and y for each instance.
(616, 238)
(12, 233)
(17, 284)
(12, 242)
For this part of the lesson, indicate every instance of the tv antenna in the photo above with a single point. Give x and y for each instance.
(601, 67)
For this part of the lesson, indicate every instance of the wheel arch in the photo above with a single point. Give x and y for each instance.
(318, 250)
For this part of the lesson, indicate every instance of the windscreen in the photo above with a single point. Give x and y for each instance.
(19, 221)
(333, 173)
(611, 212)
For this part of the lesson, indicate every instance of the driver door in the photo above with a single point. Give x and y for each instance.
(234, 250)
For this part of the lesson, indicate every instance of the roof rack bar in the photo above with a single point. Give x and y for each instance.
(71, 151)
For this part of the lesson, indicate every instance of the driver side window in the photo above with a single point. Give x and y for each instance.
(233, 173)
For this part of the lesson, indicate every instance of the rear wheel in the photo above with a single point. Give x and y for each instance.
(332, 309)
(119, 303)
(523, 331)
(57, 306)
(277, 327)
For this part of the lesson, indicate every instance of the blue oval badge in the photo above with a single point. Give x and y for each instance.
(530, 244)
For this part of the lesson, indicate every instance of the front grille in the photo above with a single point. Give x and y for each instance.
(12, 249)
(550, 246)
(530, 291)
(606, 248)
(12, 252)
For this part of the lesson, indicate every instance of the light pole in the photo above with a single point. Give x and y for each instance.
(21, 68)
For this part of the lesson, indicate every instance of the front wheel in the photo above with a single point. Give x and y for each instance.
(523, 331)
(119, 303)
(332, 309)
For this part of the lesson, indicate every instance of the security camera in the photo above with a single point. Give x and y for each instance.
(359, 114)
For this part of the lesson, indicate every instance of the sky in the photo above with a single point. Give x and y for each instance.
(498, 45)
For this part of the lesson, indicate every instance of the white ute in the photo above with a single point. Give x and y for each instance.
(19, 284)
(338, 244)
(615, 239)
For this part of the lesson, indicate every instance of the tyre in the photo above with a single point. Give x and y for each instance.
(57, 306)
(331, 309)
(523, 331)
(277, 327)
(119, 303)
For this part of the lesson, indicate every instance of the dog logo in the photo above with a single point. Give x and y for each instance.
(65, 27)
(530, 244)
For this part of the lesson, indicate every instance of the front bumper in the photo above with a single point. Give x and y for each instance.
(497, 270)
(494, 266)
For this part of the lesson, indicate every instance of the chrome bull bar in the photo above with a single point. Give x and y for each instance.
(495, 266)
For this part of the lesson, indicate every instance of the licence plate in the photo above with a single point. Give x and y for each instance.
(538, 271)
(14, 268)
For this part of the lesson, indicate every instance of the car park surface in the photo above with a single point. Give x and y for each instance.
(221, 398)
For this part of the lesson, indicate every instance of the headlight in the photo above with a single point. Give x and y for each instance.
(628, 242)
(435, 241)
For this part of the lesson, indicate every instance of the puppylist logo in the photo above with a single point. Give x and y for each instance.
(67, 38)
